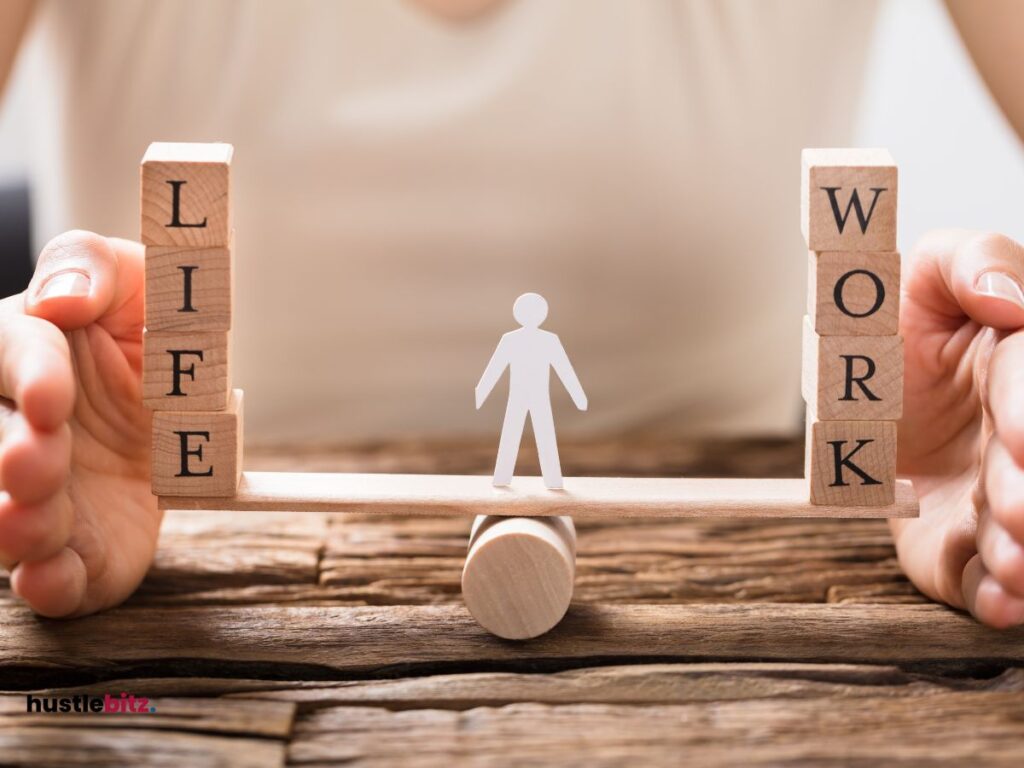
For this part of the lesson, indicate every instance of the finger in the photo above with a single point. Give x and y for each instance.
(82, 278)
(1004, 488)
(30, 532)
(978, 275)
(34, 465)
(1005, 386)
(54, 587)
(36, 371)
(986, 599)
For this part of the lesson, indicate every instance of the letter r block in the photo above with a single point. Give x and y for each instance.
(848, 200)
(185, 194)
(198, 453)
(184, 371)
(853, 378)
(853, 294)
(851, 463)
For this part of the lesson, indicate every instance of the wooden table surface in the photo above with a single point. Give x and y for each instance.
(309, 639)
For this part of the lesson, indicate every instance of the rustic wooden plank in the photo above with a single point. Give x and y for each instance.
(584, 497)
(130, 747)
(247, 717)
(946, 728)
(373, 640)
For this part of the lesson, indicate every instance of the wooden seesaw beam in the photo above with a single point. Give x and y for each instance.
(583, 497)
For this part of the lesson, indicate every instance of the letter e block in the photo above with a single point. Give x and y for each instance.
(185, 371)
(198, 453)
(185, 194)
(853, 294)
(188, 289)
(851, 463)
(853, 378)
(848, 200)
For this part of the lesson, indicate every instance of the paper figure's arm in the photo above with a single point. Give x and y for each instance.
(570, 381)
(496, 367)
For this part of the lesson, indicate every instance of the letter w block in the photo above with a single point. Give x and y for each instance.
(848, 200)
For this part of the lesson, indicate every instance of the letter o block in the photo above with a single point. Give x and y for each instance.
(853, 294)
(198, 453)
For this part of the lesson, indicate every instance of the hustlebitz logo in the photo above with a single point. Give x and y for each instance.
(105, 704)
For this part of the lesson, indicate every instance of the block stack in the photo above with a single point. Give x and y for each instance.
(186, 229)
(852, 355)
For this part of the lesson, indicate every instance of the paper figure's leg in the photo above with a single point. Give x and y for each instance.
(508, 447)
(547, 446)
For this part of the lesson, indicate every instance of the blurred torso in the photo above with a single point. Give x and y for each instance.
(400, 178)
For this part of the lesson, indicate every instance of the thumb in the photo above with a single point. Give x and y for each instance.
(82, 278)
(983, 276)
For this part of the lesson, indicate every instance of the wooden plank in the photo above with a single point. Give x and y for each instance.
(946, 728)
(109, 747)
(247, 717)
(583, 497)
(327, 640)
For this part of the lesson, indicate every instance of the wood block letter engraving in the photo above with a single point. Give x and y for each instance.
(854, 294)
(198, 453)
(848, 200)
(185, 371)
(851, 463)
(185, 194)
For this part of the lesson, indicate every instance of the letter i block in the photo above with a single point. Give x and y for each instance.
(848, 200)
(198, 453)
(853, 377)
(188, 289)
(185, 371)
(185, 194)
(853, 294)
(851, 463)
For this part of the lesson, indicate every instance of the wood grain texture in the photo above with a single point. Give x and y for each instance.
(518, 578)
(203, 379)
(582, 498)
(868, 285)
(852, 463)
(848, 171)
(198, 452)
(947, 729)
(189, 289)
(852, 378)
(328, 640)
(204, 196)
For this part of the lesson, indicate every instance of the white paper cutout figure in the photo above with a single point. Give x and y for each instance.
(529, 353)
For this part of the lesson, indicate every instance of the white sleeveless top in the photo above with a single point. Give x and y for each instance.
(399, 179)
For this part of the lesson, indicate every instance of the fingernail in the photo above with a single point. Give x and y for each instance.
(67, 284)
(1001, 286)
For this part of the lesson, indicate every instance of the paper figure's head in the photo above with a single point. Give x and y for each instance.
(530, 310)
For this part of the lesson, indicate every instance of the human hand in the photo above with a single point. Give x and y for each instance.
(961, 439)
(78, 524)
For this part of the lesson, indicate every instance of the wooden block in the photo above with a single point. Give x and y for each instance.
(585, 498)
(185, 194)
(198, 453)
(851, 463)
(188, 289)
(853, 378)
(848, 200)
(519, 573)
(184, 371)
(854, 293)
